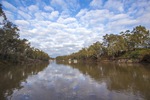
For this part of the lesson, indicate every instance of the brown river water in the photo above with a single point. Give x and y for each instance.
(75, 81)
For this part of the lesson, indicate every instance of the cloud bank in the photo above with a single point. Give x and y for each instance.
(61, 27)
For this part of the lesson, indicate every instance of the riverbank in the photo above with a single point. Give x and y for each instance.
(138, 55)
(127, 60)
(27, 62)
(134, 56)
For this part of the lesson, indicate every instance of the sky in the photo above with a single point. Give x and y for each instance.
(61, 27)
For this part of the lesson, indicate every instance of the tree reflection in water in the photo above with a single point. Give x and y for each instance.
(128, 78)
(11, 76)
(79, 81)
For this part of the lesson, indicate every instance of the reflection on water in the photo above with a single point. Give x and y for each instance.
(12, 76)
(80, 81)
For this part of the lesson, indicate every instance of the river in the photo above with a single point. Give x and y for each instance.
(79, 81)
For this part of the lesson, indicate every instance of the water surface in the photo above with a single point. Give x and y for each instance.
(81, 81)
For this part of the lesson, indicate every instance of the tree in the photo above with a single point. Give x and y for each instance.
(140, 37)
(14, 49)
(95, 50)
(114, 44)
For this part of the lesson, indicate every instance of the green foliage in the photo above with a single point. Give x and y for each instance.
(139, 37)
(136, 54)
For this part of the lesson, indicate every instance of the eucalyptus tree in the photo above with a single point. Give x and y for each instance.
(110, 43)
(140, 37)
(95, 50)
(115, 44)
(8, 34)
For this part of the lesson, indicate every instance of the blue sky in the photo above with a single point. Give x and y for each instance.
(61, 27)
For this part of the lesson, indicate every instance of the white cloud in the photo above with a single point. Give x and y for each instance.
(96, 3)
(123, 22)
(114, 5)
(61, 3)
(93, 18)
(57, 26)
(33, 8)
(48, 8)
(119, 16)
(24, 15)
(82, 12)
(65, 14)
(140, 11)
(54, 15)
(69, 6)
(9, 6)
(144, 19)
(46, 16)
(1, 19)
(21, 22)
(60, 36)
(38, 16)
(73, 5)
(67, 20)
(9, 14)
(24, 9)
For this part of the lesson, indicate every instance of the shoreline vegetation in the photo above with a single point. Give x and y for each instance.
(16, 50)
(127, 47)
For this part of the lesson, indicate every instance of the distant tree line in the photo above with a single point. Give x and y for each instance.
(14, 49)
(131, 44)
